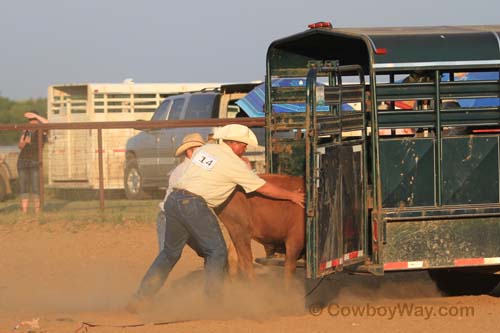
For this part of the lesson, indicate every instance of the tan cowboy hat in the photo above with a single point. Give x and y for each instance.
(190, 141)
(236, 132)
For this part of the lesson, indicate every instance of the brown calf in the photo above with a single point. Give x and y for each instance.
(268, 221)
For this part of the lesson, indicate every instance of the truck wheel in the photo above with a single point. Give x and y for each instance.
(134, 189)
(3, 189)
(459, 283)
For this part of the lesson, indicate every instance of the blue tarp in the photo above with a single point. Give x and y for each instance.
(477, 102)
(253, 102)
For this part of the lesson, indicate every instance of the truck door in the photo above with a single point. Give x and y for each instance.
(335, 172)
(201, 106)
(148, 138)
(166, 143)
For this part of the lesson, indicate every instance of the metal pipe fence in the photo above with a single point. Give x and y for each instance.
(91, 151)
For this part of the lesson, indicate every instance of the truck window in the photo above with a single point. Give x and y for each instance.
(161, 112)
(202, 106)
(176, 110)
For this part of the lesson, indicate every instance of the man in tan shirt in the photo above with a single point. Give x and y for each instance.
(212, 175)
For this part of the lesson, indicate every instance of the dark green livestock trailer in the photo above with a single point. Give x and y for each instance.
(398, 133)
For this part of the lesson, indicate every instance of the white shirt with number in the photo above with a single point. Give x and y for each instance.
(214, 172)
(173, 178)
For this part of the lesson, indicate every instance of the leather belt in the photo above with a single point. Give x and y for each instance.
(188, 193)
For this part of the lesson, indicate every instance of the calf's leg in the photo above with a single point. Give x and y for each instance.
(245, 258)
(232, 259)
(294, 247)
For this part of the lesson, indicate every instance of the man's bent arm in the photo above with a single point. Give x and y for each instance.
(276, 192)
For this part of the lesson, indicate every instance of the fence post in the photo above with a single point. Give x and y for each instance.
(101, 172)
(40, 168)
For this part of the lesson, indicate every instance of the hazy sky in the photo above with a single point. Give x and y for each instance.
(48, 42)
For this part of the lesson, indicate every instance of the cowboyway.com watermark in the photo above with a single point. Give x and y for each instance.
(392, 311)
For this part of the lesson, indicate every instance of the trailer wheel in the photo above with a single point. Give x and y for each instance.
(459, 283)
(134, 190)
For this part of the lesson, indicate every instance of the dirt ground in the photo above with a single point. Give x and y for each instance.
(67, 274)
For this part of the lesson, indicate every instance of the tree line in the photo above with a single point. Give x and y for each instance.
(12, 112)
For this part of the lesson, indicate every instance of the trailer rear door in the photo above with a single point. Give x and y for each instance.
(335, 174)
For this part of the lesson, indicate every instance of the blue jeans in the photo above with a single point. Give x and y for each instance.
(29, 177)
(161, 225)
(188, 215)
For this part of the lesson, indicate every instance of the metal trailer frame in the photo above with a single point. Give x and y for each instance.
(429, 199)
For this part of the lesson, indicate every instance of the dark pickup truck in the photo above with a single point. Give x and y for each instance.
(150, 154)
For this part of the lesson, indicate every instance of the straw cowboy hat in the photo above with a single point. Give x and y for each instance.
(236, 132)
(190, 141)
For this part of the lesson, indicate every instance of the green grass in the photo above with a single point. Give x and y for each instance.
(117, 211)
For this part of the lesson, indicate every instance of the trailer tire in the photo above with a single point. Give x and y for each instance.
(460, 283)
(133, 182)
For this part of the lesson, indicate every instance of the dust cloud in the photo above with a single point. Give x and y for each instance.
(263, 299)
(268, 298)
(347, 288)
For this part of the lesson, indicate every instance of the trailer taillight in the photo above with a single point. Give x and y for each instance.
(320, 25)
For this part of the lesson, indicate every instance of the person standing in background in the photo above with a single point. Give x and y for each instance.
(28, 163)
